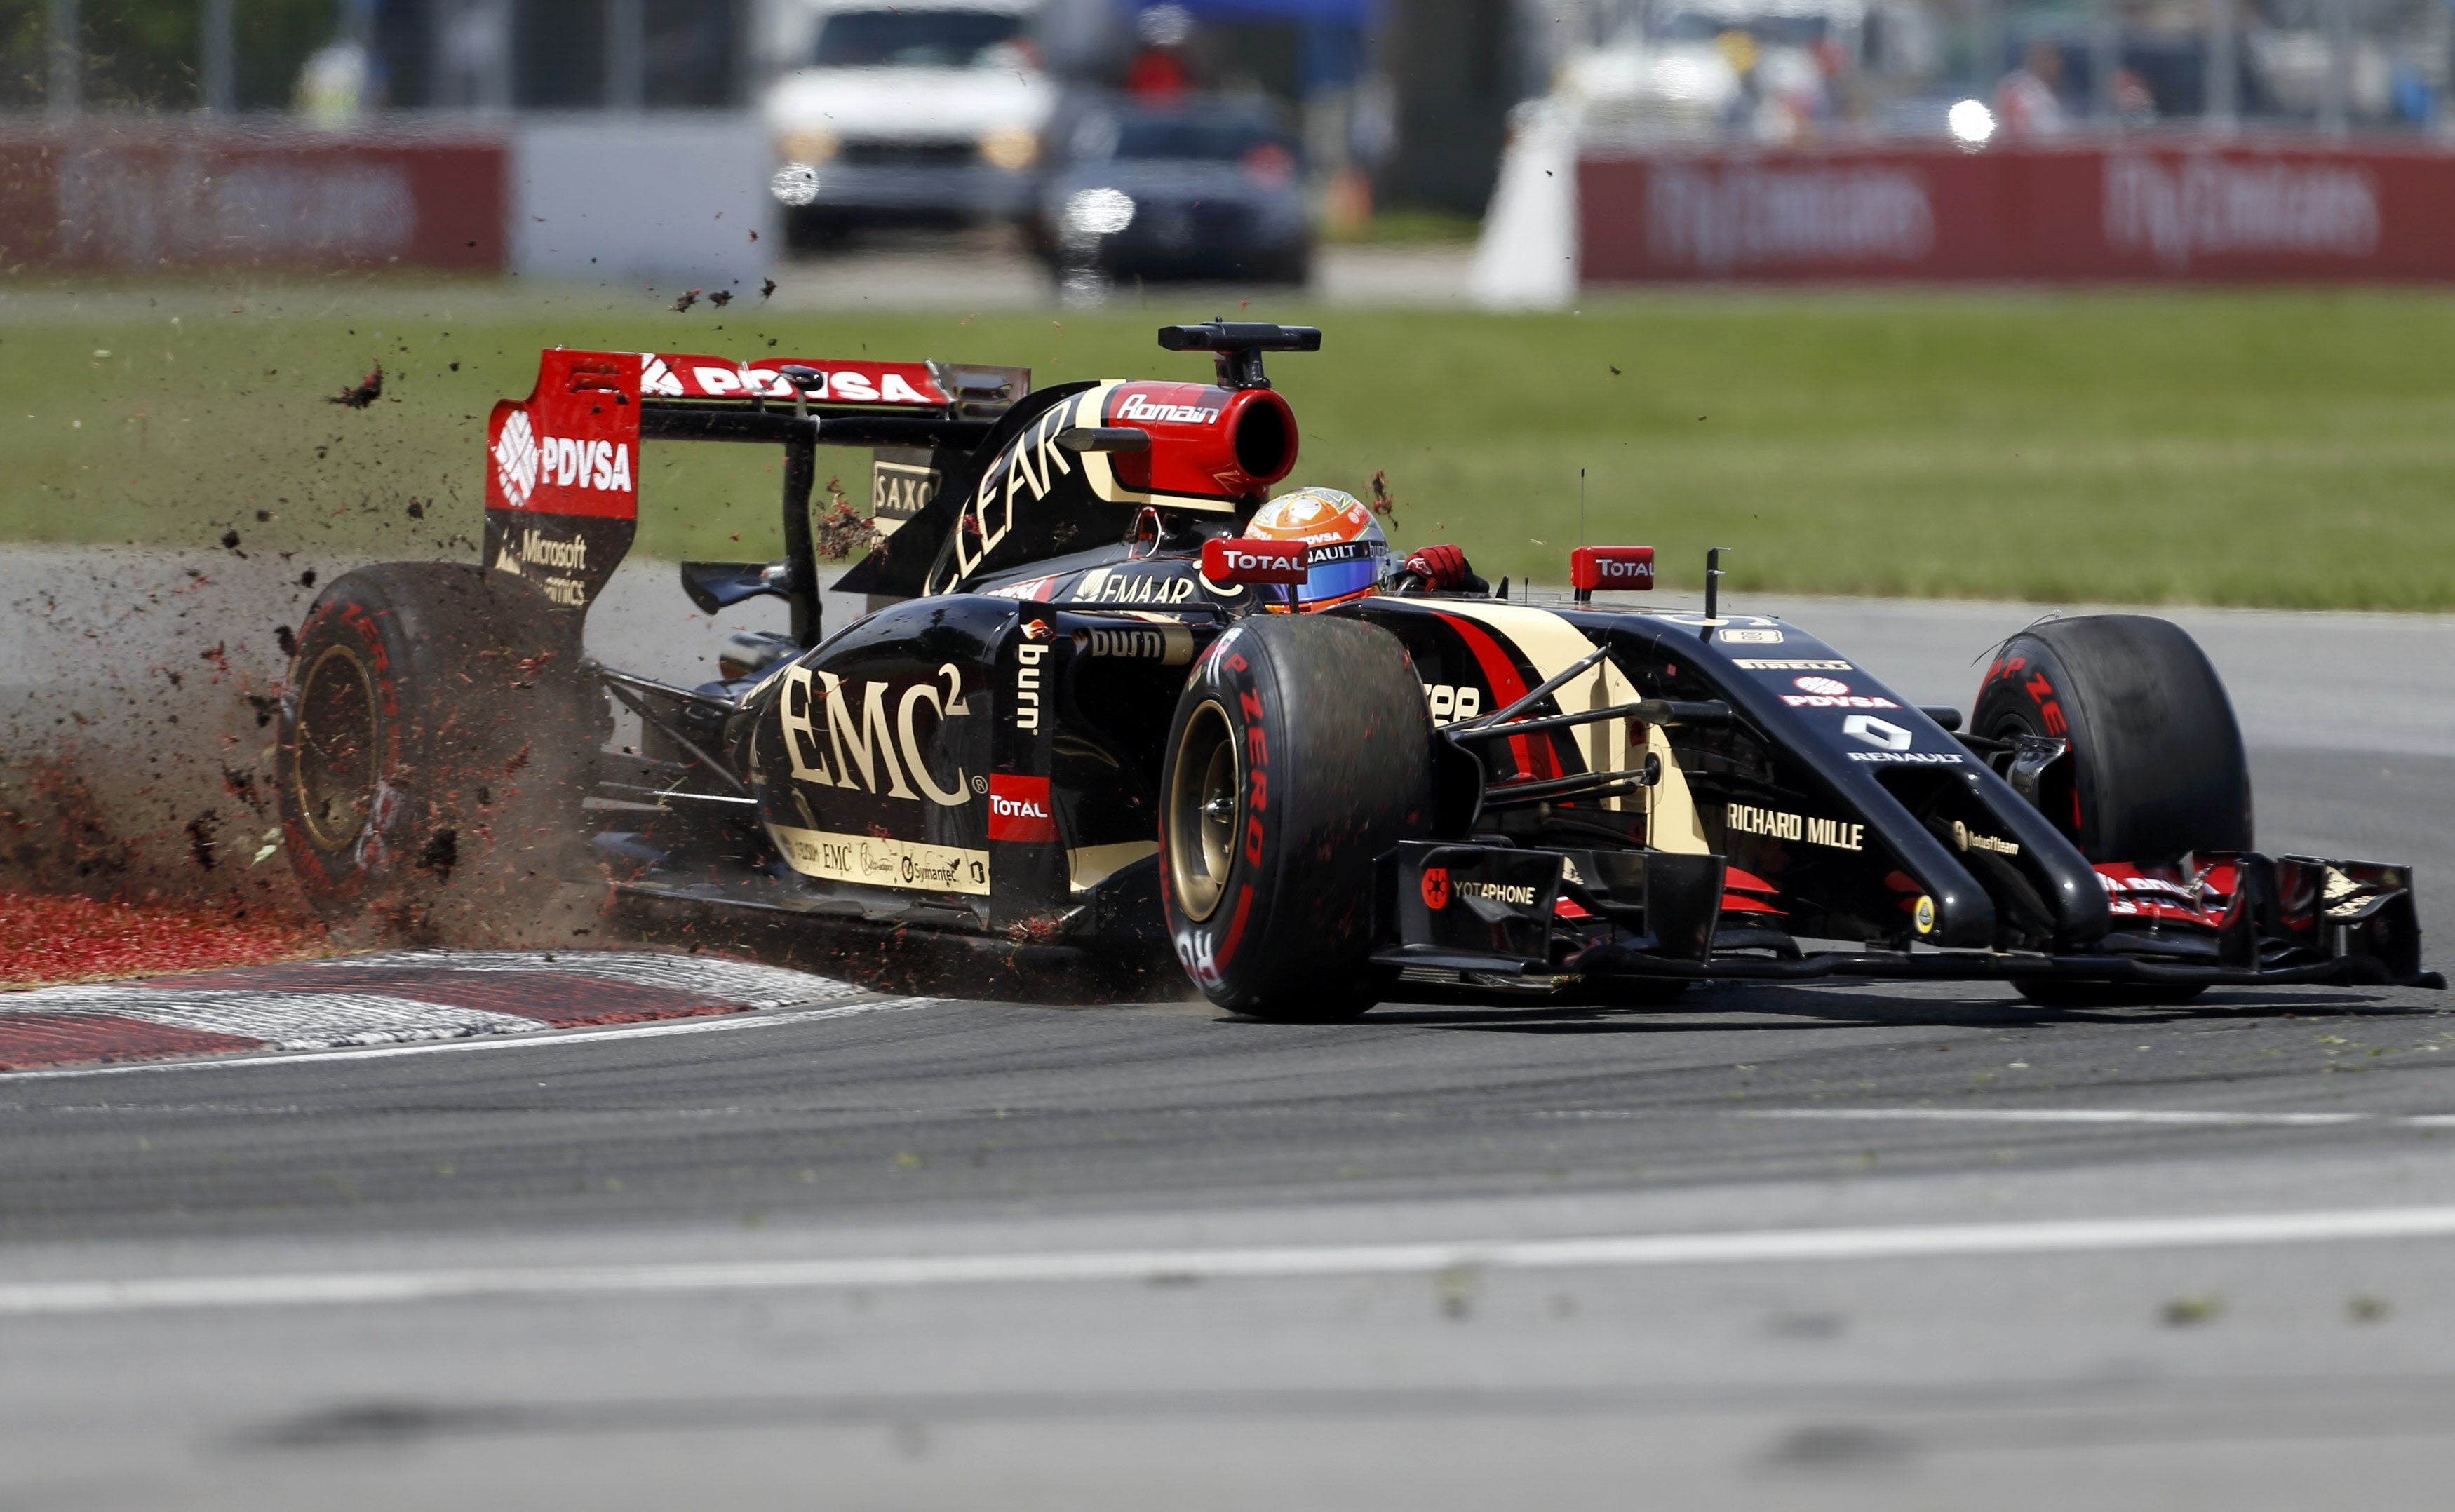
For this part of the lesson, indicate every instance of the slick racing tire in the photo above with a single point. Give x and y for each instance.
(1300, 752)
(2157, 768)
(431, 738)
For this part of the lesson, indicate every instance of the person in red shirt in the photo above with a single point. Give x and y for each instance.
(1159, 73)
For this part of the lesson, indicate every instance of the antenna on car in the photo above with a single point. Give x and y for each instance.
(1237, 346)
(1581, 506)
(1712, 592)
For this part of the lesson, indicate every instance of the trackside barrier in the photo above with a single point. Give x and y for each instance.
(141, 194)
(2155, 210)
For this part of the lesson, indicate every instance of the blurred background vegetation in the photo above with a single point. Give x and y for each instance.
(2245, 448)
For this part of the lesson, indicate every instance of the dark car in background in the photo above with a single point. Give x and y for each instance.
(1202, 190)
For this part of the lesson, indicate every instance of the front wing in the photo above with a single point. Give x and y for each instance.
(1492, 916)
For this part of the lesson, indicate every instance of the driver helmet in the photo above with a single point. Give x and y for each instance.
(1349, 554)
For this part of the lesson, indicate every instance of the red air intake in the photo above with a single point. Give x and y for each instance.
(1209, 444)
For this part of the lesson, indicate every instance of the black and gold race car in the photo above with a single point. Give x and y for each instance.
(1080, 719)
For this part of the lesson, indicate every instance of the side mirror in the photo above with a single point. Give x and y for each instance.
(1104, 438)
(1623, 567)
(714, 585)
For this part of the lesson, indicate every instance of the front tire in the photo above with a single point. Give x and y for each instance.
(1300, 752)
(2157, 770)
(433, 732)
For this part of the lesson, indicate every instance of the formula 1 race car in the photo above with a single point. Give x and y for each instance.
(1081, 716)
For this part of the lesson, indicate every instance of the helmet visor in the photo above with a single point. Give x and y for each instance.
(1340, 572)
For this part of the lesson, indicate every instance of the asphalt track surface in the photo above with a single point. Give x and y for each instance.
(1838, 1245)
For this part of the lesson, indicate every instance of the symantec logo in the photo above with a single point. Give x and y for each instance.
(1019, 811)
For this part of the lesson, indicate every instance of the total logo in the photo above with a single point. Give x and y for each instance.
(1019, 811)
(1831, 693)
(1138, 408)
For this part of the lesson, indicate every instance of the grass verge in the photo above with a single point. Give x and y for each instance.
(2272, 448)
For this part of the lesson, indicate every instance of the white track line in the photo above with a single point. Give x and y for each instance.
(2117, 1116)
(1829, 1245)
(543, 1037)
(2152, 1118)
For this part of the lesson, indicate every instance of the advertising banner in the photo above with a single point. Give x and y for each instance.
(135, 196)
(2166, 210)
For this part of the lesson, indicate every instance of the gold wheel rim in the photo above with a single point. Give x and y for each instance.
(1206, 809)
(337, 750)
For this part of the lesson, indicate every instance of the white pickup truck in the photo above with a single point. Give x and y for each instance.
(910, 113)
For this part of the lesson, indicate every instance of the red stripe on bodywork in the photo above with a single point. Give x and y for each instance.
(29, 1039)
(1507, 688)
(1235, 928)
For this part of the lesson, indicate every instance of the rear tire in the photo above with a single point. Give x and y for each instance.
(2157, 769)
(434, 733)
(1300, 752)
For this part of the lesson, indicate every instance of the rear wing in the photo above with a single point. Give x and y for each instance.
(562, 475)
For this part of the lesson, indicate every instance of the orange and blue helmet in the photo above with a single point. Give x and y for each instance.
(1349, 554)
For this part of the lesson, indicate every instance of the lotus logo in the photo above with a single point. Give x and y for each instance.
(1881, 734)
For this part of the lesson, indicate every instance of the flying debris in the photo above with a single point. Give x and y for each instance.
(364, 393)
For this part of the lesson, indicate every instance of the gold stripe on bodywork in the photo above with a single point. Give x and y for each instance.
(1551, 644)
(874, 861)
(1088, 866)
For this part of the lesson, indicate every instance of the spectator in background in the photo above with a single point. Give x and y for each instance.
(1160, 73)
(2025, 99)
(2135, 103)
(337, 85)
